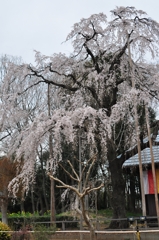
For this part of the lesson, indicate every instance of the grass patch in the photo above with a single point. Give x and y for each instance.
(107, 213)
(137, 214)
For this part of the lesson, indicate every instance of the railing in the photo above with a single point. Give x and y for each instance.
(137, 229)
(99, 223)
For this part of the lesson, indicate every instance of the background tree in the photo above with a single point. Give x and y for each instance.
(8, 170)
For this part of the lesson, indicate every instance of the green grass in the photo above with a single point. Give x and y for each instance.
(137, 214)
(65, 214)
(108, 213)
(105, 213)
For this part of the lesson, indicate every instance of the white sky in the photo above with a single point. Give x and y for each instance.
(43, 25)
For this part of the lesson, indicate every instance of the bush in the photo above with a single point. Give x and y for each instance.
(42, 232)
(18, 222)
(4, 235)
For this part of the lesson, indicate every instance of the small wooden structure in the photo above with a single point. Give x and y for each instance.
(133, 163)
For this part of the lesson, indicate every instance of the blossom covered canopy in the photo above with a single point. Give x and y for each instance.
(91, 89)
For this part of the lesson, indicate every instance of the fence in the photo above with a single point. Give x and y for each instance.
(139, 228)
(100, 224)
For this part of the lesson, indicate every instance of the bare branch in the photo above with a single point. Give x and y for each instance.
(65, 185)
(97, 188)
(69, 174)
(73, 170)
(94, 158)
(5, 136)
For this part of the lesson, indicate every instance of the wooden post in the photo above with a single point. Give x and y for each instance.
(152, 164)
(138, 139)
(52, 188)
(80, 185)
(63, 225)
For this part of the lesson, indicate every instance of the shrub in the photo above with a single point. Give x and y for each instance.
(4, 235)
(41, 232)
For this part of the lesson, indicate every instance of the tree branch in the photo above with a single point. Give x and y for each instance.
(65, 185)
(74, 171)
(76, 179)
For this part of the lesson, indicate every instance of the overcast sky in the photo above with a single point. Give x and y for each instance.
(42, 25)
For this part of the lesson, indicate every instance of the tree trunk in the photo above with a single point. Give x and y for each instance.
(43, 179)
(52, 201)
(32, 199)
(43, 185)
(118, 187)
(41, 205)
(132, 193)
(87, 220)
(4, 206)
(22, 209)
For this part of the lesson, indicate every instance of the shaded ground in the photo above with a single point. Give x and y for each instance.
(101, 221)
